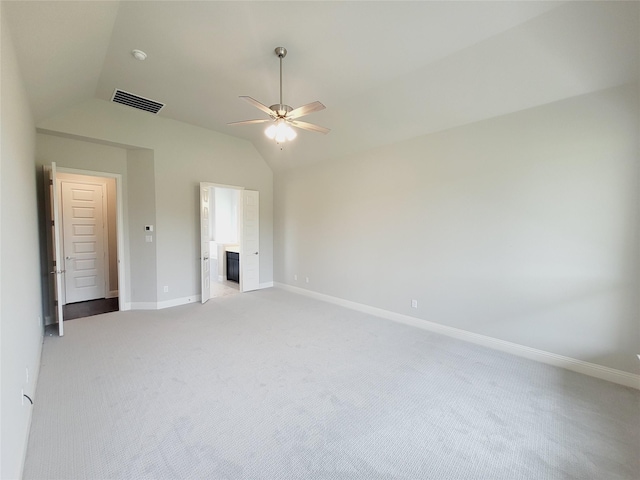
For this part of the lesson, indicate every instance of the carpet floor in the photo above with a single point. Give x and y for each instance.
(274, 385)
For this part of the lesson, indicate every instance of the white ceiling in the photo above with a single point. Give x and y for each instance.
(386, 71)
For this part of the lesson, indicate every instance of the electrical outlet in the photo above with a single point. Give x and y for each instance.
(295, 276)
(414, 303)
(166, 289)
(306, 279)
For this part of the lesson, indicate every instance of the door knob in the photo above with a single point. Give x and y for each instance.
(256, 253)
(70, 258)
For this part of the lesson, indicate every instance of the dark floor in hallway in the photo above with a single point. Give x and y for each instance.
(90, 307)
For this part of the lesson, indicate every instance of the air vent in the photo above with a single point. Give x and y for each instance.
(135, 101)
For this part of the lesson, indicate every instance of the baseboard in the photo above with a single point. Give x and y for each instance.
(112, 294)
(142, 306)
(179, 301)
(593, 370)
(174, 302)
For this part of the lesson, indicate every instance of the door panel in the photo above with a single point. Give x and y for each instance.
(83, 241)
(250, 248)
(54, 242)
(205, 274)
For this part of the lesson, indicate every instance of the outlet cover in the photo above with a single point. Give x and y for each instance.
(414, 303)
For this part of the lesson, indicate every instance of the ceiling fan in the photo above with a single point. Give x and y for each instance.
(283, 116)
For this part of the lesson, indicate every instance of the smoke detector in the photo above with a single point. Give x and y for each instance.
(139, 55)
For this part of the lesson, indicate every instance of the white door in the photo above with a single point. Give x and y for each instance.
(250, 243)
(53, 235)
(83, 241)
(205, 264)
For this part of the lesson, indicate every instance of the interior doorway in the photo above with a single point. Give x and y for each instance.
(87, 213)
(229, 240)
(85, 242)
(224, 240)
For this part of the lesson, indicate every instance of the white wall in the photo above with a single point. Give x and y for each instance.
(142, 211)
(20, 304)
(226, 202)
(524, 228)
(184, 156)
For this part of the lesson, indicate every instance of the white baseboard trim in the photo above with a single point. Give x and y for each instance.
(112, 294)
(142, 306)
(174, 302)
(179, 301)
(593, 370)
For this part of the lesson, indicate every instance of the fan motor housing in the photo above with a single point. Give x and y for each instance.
(280, 109)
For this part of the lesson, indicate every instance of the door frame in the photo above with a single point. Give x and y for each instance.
(121, 257)
(202, 185)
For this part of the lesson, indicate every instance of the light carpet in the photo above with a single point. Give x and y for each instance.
(274, 385)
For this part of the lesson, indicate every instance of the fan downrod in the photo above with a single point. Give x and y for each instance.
(281, 52)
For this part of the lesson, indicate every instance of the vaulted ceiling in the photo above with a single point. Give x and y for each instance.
(386, 71)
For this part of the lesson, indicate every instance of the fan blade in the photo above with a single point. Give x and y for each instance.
(259, 106)
(310, 126)
(249, 122)
(306, 110)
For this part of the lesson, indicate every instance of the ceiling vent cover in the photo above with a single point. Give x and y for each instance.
(135, 101)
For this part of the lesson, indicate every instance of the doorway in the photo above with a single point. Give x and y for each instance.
(87, 213)
(85, 242)
(229, 240)
(224, 240)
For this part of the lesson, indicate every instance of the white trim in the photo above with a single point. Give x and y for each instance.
(142, 306)
(105, 236)
(161, 305)
(178, 301)
(591, 369)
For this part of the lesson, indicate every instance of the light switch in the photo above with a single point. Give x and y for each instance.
(148, 228)
(149, 238)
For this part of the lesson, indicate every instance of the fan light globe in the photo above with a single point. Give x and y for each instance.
(271, 132)
(280, 132)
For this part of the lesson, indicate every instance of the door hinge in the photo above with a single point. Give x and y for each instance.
(53, 224)
(50, 182)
